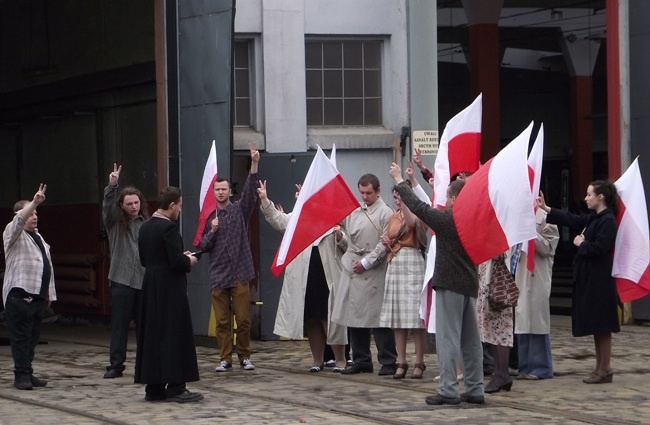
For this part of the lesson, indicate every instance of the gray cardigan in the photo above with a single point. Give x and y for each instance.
(454, 270)
(125, 260)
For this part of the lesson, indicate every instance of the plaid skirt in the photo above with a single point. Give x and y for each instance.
(403, 291)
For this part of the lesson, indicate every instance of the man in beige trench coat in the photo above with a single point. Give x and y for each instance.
(361, 287)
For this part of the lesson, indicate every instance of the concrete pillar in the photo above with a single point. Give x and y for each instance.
(484, 65)
(283, 38)
(423, 69)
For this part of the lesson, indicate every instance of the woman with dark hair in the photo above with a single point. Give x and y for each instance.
(594, 300)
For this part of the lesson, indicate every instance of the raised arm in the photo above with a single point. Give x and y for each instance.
(38, 199)
(417, 159)
(109, 209)
(255, 157)
(18, 224)
(276, 218)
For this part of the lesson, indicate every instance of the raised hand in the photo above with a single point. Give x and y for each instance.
(214, 224)
(417, 158)
(261, 191)
(298, 189)
(541, 202)
(396, 173)
(39, 196)
(410, 173)
(255, 154)
(114, 177)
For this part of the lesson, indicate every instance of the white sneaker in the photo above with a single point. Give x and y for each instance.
(246, 364)
(224, 366)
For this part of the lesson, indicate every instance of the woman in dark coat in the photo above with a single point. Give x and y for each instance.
(166, 355)
(595, 299)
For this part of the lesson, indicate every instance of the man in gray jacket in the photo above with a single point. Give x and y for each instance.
(455, 279)
(122, 218)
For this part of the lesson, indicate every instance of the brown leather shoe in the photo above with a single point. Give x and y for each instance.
(418, 370)
(402, 374)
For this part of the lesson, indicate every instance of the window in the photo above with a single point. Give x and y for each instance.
(242, 85)
(343, 83)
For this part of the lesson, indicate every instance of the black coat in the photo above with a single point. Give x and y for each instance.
(166, 351)
(595, 299)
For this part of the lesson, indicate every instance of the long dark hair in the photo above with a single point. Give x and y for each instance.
(125, 221)
(609, 192)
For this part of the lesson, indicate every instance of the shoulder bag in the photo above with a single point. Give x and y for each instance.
(502, 288)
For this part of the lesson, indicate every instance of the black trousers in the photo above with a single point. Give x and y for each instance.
(159, 390)
(24, 319)
(384, 340)
(125, 304)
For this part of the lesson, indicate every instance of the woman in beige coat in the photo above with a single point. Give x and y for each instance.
(533, 313)
(301, 281)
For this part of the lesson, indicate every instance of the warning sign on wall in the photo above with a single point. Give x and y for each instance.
(426, 141)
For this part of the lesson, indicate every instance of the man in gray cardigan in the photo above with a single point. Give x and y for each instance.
(455, 279)
(122, 217)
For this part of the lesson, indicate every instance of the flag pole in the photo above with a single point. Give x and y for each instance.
(396, 148)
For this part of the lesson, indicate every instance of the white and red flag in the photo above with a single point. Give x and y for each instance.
(207, 201)
(494, 210)
(535, 160)
(459, 150)
(323, 202)
(632, 250)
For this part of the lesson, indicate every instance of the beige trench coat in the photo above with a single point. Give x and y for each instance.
(289, 321)
(360, 297)
(533, 314)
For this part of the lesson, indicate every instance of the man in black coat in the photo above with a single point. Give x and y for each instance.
(166, 355)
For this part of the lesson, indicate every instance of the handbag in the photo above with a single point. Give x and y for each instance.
(502, 288)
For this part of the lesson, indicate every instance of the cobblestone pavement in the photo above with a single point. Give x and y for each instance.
(282, 391)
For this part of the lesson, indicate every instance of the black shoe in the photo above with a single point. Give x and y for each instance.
(495, 387)
(113, 373)
(387, 369)
(22, 382)
(155, 397)
(488, 370)
(37, 382)
(185, 397)
(439, 400)
(357, 368)
(475, 399)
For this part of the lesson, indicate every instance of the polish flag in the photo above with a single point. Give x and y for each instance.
(333, 155)
(428, 299)
(323, 202)
(632, 251)
(459, 150)
(535, 159)
(207, 201)
(493, 211)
